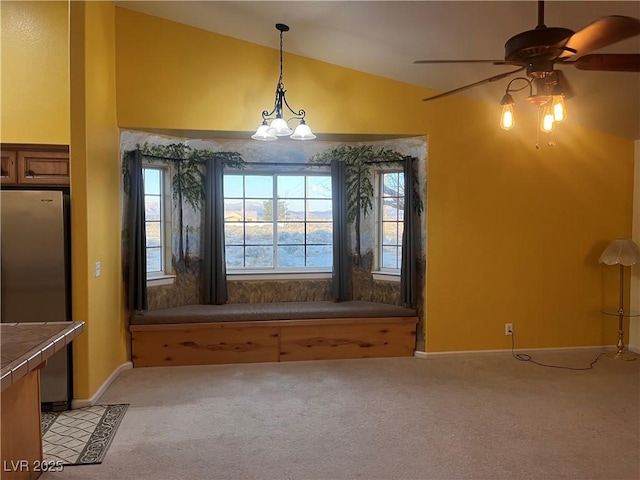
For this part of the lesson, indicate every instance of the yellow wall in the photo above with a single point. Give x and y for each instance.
(34, 72)
(514, 233)
(95, 197)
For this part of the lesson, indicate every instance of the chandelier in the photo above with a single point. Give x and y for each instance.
(278, 127)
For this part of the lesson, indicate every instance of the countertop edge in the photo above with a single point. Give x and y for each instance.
(34, 357)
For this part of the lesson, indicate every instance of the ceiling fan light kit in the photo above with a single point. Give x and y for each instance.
(549, 99)
(268, 132)
(538, 51)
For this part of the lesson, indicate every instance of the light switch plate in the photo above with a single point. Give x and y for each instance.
(97, 269)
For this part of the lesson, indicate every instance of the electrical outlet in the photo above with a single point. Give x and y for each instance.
(508, 328)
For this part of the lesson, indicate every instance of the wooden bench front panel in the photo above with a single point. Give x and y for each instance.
(202, 346)
(329, 342)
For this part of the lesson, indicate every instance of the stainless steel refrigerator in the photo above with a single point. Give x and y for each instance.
(35, 276)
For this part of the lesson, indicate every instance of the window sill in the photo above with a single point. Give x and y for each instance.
(232, 276)
(158, 280)
(386, 276)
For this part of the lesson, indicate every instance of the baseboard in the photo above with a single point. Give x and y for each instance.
(88, 402)
(634, 348)
(420, 354)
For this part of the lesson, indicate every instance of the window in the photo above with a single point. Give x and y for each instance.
(390, 221)
(278, 223)
(156, 221)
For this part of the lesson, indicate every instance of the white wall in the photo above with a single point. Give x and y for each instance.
(634, 334)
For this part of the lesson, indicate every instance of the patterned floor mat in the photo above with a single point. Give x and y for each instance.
(81, 436)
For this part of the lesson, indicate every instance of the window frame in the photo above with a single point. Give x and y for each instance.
(379, 272)
(275, 272)
(165, 276)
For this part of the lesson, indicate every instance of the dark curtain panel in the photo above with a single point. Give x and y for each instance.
(137, 237)
(408, 267)
(340, 274)
(215, 272)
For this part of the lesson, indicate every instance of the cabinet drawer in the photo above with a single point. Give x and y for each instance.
(49, 168)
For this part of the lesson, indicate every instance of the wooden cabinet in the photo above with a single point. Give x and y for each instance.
(45, 165)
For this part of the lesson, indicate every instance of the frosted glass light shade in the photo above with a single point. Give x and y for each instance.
(303, 132)
(263, 134)
(279, 127)
(621, 252)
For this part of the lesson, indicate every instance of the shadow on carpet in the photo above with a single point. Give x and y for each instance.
(81, 436)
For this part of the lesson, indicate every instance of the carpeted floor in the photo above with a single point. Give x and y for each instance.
(484, 416)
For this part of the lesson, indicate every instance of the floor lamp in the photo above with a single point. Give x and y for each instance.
(623, 253)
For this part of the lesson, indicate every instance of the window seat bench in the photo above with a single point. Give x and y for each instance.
(271, 332)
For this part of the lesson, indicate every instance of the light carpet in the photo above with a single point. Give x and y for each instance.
(81, 436)
(474, 417)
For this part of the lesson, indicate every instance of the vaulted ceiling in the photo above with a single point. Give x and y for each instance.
(385, 38)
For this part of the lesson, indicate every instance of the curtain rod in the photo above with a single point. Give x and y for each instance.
(277, 164)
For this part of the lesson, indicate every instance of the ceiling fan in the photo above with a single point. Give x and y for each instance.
(540, 50)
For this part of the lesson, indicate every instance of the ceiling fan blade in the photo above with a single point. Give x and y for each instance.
(496, 62)
(608, 62)
(604, 31)
(471, 85)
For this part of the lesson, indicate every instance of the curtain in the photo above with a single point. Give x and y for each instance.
(408, 266)
(215, 274)
(137, 238)
(340, 273)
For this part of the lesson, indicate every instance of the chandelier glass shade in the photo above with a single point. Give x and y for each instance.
(274, 124)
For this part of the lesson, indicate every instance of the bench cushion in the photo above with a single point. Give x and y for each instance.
(242, 312)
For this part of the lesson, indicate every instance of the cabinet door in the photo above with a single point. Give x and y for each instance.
(43, 168)
(8, 167)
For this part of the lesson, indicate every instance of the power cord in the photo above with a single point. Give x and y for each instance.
(524, 357)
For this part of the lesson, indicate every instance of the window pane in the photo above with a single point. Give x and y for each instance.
(290, 186)
(259, 234)
(290, 209)
(154, 260)
(152, 209)
(291, 233)
(393, 185)
(234, 256)
(233, 211)
(258, 210)
(390, 257)
(153, 234)
(259, 257)
(321, 232)
(258, 186)
(319, 210)
(291, 256)
(234, 233)
(152, 181)
(400, 232)
(389, 209)
(389, 233)
(318, 187)
(233, 186)
(319, 256)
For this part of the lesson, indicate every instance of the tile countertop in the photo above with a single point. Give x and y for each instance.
(24, 346)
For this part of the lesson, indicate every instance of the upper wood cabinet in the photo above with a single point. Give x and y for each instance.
(45, 165)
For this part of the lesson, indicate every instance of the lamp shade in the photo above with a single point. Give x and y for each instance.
(621, 252)
(303, 132)
(263, 134)
(279, 128)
